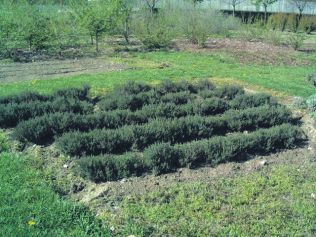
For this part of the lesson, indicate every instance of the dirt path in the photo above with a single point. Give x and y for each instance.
(16, 72)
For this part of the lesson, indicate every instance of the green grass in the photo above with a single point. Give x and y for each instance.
(272, 202)
(26, 196)
(180, 65)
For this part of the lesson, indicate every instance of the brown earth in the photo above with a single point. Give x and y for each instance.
(15, 72)
(247, 52)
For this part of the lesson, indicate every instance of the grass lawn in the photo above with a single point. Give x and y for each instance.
(277, 201)
(29, 206)
(285, 80)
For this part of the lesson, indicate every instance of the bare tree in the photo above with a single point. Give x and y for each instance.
(265, 4)
(300, 5)
(234, 3)
(152, 5)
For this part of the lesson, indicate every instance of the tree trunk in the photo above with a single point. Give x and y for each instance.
(234, 10)
(91, 39)
(265, 14)
(298, 19)
(126, 31)
(96, 42)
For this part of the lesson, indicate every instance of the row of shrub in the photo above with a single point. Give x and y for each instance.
(13, 113)
(40, 128)
(134, 102)
(291, 22)
(163, 157)
(81, 93)
(165, 87)
(177, 130)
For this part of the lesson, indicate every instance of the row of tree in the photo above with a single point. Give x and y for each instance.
(62, 24)
(300, 5)
(47, 25)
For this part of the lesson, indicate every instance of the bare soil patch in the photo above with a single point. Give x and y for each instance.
(246, 52)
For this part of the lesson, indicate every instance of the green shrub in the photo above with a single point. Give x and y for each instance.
(291, 23)
(210, 106)
(177, 98)
(154, 30)
(163, 157)
(307, 24)
(81, 93)
(167, 86)
(252, 31)
(45, 127)
(248, 101)
(127, 101)
(296, 40)
(220, 149)
(198, 24)
(227, 92)
(128, 138)
(167, 91)
(311, 102)
(28, 96)
(132, 87)
(277, 21)
(11, 114)
(4, 144)
(178, 92)
(110, 167)
(272, 23)
(260, 117)
(311, 78)
(274, 37)
(135, 137)
(299, 102)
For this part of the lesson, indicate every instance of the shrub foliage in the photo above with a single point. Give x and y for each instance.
(155, 128)
(163, 157)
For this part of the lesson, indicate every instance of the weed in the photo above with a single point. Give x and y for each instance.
(4, 143)
(296, 40)
(311, 78)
